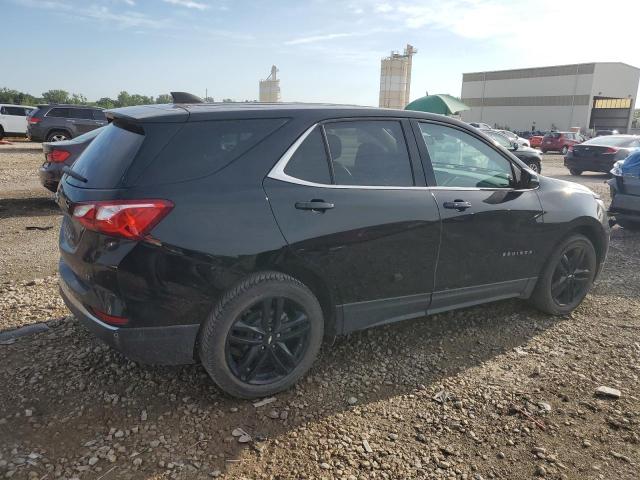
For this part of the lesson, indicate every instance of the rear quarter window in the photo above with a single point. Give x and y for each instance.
(202, 148)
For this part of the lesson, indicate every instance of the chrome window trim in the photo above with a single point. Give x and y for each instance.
(277, 173)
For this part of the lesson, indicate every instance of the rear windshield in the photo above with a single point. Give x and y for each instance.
(612, 141)
(553, 135)
(107, 157)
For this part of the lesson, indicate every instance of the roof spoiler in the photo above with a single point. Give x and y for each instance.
(184, 97)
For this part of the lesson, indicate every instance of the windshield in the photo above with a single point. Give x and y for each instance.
(500, 138)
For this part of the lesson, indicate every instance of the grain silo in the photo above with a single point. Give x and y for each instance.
(270, 88)
(395, 79)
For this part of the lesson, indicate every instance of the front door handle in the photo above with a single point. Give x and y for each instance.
(315, 205)
(459, 205)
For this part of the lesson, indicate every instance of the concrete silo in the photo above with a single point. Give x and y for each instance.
(395, 79)
(270, 88)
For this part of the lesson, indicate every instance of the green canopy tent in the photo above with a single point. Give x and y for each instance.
(442, 104)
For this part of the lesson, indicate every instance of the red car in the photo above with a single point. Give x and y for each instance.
(560, 141)
(535, 141)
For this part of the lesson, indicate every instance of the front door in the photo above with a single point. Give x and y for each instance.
(347, 203)
(490, 228)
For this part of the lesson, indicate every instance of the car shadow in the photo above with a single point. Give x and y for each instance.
(66, 370)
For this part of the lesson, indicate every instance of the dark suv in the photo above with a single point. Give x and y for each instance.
(55, 123)
(240, 235)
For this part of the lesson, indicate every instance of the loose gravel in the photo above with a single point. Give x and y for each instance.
(497, 391)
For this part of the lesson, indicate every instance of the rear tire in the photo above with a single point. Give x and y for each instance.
(1, 133)
(58, 136)
(242, 343)
(564, 150)
(575, 172)
(567, 277)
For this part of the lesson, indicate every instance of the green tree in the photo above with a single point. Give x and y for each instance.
(164, 98)
(56, 96)
(106, 102)
(78, 99)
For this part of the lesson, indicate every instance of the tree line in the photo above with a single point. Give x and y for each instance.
(124, 99)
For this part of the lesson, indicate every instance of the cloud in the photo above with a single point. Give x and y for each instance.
(318, 38)
(188, 4)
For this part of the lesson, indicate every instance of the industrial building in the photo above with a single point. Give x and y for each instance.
(591, 96)
(270, 88)
(395, 79)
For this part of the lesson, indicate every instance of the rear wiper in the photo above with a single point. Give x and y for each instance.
(73, 174)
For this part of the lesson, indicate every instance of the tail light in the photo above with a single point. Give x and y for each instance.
(57, 156)
(611, 150)
(110, 319)
(34, 120)
(130, 219)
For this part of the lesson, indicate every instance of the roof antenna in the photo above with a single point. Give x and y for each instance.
(184, 97)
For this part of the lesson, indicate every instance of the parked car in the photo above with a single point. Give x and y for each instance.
(600, 153)
(625, 192)
(535, 141)
(529, 156)
(559, 141)
(55, 123)
(523, 142)
(13, 120)
(240, 235)
(58, 155)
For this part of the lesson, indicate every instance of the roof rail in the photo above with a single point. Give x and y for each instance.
(184, 97)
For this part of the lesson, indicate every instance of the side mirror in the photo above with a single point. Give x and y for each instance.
(529, 180)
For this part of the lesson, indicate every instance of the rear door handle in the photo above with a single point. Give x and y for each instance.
(315, 205)
(459, 205)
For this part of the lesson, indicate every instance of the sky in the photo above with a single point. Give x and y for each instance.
(325, 50)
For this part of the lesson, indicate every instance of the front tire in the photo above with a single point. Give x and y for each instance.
(567, 277)
(564, 150)
(535, 166)
(262, 336)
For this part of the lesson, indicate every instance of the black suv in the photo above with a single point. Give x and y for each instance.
(55, 123)
(240, 235)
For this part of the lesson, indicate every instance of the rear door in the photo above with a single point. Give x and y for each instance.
(490, 228)
(82, 120)
(350, 199)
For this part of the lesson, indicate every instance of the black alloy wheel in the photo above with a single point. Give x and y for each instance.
(262, 336)
(572, 276)
(567, 276)
(268, 340)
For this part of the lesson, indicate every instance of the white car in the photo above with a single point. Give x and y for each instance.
(523, 142)
(13, 120)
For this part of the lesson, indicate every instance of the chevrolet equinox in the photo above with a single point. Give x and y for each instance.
(241, 235)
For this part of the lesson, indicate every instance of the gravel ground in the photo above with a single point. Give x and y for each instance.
(497, 391)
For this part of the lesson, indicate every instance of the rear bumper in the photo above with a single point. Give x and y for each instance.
(165, 345)
(589, 164)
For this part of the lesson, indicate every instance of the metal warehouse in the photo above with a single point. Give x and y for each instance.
(591, 96)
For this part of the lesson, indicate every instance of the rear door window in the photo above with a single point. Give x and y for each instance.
(58, 112)
(81, 113)
(369, 153)
(310, 161)
(99, 115)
